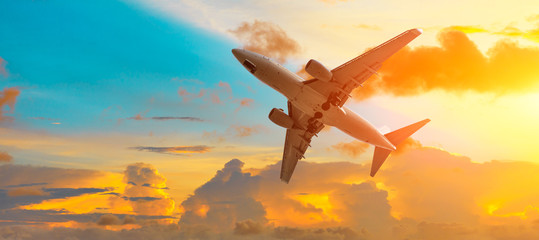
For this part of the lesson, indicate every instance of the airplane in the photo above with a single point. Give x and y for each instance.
(319, 101)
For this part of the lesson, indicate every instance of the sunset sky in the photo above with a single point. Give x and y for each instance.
(133, 120)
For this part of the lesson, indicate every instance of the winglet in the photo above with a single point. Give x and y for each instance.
(396, 137)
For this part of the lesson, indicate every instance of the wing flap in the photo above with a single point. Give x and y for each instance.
(297, 141)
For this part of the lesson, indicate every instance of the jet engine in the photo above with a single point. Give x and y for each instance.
(317, 70)
(280, 118)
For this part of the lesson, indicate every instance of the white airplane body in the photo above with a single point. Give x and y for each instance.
(319, 101)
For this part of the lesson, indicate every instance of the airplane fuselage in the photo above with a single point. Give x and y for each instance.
(309, 100)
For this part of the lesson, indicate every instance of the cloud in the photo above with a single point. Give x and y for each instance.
(352, 149)
(179, 150)
(244, 102)
(111, 219)
(3, 71)
(456, 66)
(344, 233)
(407, 145)
(221, 93)
(187, 96)
(5, 157)
(26, 185)
(108, 219)
(227, 198)
(17, 192)
(140, 117)
(248, 227)
(302, 73)
(422, 193)
(147, 200)
(267, 39)
(508, 31)
(8, 97)
(245, 131)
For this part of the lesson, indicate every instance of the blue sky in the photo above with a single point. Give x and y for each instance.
(75, 59)
(95, 67)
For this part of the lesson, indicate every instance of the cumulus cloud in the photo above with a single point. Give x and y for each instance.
(227, 198)
(179, 150)
(8, 97)
(456, 66)
(267, 39)
(146, 194)
(111, 219)
(5, 157)
(248, 227)
(108, 219)
(422, 193)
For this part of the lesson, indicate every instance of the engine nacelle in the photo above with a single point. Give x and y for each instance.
(280, 118)
(318, 71)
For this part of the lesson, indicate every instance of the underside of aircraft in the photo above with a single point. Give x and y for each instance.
(319, 101)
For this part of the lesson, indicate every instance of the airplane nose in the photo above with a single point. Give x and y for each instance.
(238, 53)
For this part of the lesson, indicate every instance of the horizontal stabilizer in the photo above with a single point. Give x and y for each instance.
(396, 137)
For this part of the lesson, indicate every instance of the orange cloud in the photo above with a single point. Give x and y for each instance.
(226, 199)
(267, 39)
(245, 131)
(145, 190)
(352, 149)
(423, 192)
(302, 73)
(188, 96)
(456, 66)
(5, 157)
(8, 97)
(26, 192)
(244, 102)
(508, 31)
(3, 70)
(407, 145)
(248, 227)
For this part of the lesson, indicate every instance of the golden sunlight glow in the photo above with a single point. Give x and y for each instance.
(320, 201)
(202, 211)
(86, 203)
(492, 207)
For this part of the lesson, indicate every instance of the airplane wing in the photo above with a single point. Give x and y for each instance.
(353, 73)
(298, 139)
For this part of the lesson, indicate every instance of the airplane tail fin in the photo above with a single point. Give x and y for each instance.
(396, 137)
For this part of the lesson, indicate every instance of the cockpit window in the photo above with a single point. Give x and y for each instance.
(249, 65)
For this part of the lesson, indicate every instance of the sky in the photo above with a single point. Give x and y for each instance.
(132, 120)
